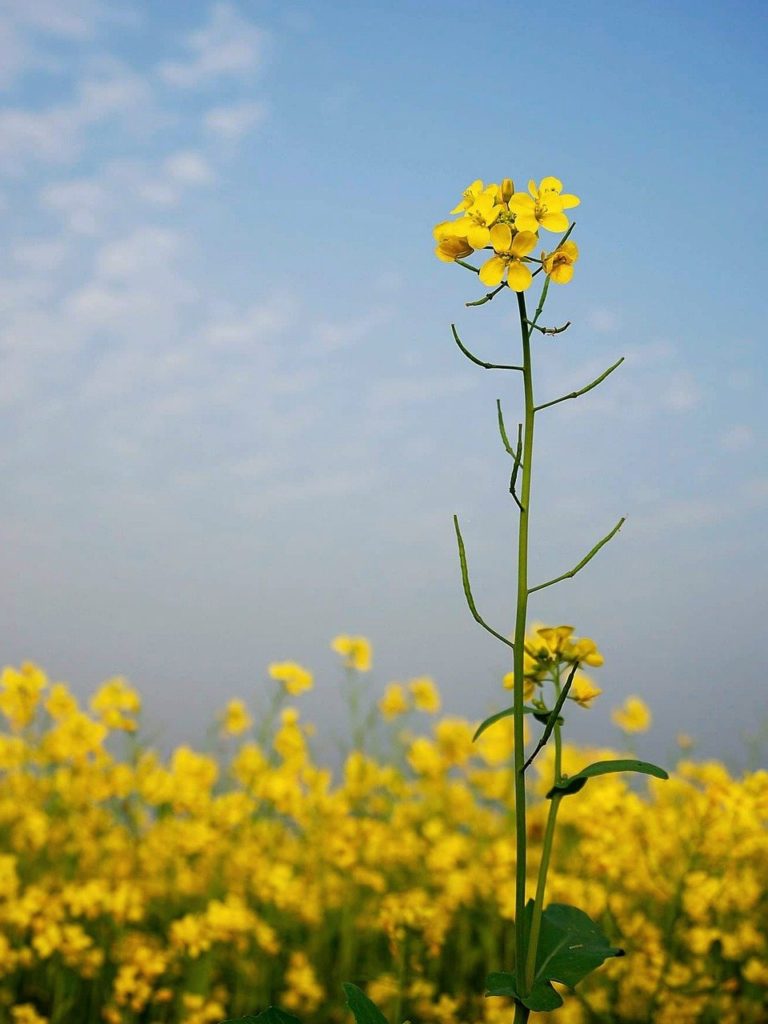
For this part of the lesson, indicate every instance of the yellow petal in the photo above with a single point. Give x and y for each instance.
(551, 185)
(501, 237)
(569, 200)
(526, 222)
(562, 273)
(478, 236)
(521, 203)
(532, 188)
(523, 243)
(554, 221)
(492, 271)
(460, 227)
(570, 249)
(519, 276)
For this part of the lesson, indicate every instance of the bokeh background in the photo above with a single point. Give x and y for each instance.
(234, 423)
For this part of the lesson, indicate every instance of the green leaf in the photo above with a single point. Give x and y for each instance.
(574, 783)
(497, 718)
(272, 1015)
(363, 1010)
(570, 947)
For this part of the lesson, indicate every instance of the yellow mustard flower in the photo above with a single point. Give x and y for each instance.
(506, 191)
(426, 696)
(470, 196)
(584, 650)
(394, 702)
(450, 246)
(507, 260)
(236, 719)
(25, 1013)
(20, 693)
(558, 265)
(543, 207)
(548, 188)
(633, 716)
(583, 690)
(356, 651)
(294, 677)
(60, 702)
(477, 221)
(114, 702)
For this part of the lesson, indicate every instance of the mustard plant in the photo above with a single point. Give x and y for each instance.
(555, 943)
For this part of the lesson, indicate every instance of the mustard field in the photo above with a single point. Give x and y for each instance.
(138, 889)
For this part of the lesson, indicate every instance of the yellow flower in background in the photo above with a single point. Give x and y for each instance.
(555, 638)
(294, 677)
(558, 265)
(355, 650)
(583, 690)
(114, 701)
(477, 221)
(394, 702)
(60, 702)
(25, 1013)
(509, 251)
(584, 650)
(426, 696)
(529, 685)
(633, 716)
(236, 719)
(20, 693)
(450, 246)
(454, 740)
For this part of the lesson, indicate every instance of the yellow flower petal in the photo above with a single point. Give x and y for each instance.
(521, 202)
(524, 242)
(492, 271)
(501, 237)
(478, 236)
(519, 276)
(570, 249)
(562, 273)
(551, 185)
(532, 188)
(554, 221)
(569, 200)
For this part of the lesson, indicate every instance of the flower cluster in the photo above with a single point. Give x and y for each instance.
(506, 222)
(142, 889)
(550, 652)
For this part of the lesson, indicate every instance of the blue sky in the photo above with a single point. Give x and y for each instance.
(233, 421)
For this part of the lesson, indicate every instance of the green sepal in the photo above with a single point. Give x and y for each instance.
(571, 946)
(497, 718)
(363, 1010)
(574, 783)
(272, 1015)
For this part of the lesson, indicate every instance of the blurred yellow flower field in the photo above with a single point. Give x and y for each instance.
(136, 889)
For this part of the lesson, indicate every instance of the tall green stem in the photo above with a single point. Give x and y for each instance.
(519, 671)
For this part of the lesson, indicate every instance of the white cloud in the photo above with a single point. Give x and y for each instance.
(332, 336)
(235, 121)
(41, 255)
(228, 46)
(188, 168)
(57, 135)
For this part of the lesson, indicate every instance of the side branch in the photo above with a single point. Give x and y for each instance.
(582, 391)
(552, 718)
(467, 266)
(549, 330)
(583, 562)
(468, 590)
(479, 362)
(488, 296)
